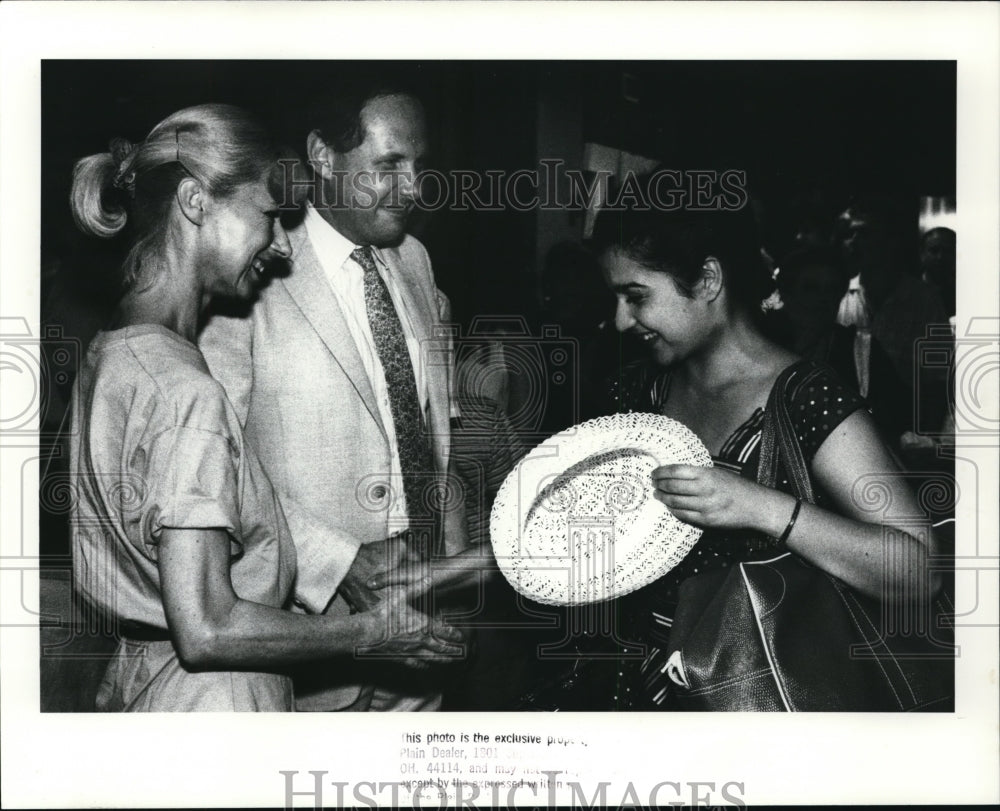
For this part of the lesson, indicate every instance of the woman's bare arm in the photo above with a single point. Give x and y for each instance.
(876, 553)
(213, 628)
(872, 541)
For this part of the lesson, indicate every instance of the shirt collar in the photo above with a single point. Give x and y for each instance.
(331, 246)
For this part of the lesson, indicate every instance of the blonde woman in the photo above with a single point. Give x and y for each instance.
(196, 564)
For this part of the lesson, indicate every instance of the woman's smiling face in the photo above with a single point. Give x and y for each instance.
(244, 234)
(651, 306)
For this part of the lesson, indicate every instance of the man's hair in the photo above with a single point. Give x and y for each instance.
(940, 230)
(336, 113)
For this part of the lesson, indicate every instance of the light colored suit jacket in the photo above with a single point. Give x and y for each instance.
(295, 377)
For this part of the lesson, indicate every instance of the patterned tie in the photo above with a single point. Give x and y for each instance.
(415, 456)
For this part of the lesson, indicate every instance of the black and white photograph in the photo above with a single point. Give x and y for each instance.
(593, 399)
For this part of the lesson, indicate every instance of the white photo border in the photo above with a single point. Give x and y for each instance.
(214, 760)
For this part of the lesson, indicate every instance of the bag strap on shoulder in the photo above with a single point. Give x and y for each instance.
(778, 443)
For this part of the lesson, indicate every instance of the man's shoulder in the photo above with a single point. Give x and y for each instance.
(409, 252)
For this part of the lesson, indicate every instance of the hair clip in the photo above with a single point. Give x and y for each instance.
(121, 152)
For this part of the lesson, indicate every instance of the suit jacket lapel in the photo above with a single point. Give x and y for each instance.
(309, 289)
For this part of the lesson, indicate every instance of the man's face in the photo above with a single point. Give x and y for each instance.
(371, 190)
(869, 251)
(937, 256)
(854, 239)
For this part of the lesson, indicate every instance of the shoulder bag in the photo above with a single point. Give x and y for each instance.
(783, 635)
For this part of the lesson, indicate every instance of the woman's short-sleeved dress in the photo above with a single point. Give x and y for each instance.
(818, 401)
(155, 444)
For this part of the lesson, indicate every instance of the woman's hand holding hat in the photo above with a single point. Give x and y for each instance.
(718, 498)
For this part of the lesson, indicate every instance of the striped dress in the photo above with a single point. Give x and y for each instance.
(816, 408)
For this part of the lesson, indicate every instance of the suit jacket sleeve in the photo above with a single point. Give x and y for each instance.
(325, 551)
(325, 554)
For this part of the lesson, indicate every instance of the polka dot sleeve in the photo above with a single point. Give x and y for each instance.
(818, 402)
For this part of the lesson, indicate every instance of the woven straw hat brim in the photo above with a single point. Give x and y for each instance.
(576, 522)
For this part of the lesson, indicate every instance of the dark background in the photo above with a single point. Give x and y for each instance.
(794, 127)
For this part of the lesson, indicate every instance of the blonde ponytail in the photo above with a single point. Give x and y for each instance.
(220, 145)
(98, 207)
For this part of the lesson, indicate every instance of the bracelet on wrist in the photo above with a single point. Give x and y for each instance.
(791, 522)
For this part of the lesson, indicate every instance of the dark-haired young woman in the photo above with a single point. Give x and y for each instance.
(689, 285)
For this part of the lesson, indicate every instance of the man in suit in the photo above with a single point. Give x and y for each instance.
(341, 374)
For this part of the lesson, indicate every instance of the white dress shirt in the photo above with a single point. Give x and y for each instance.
(347, 280)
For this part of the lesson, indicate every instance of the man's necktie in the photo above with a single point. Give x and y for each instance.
(415, 456)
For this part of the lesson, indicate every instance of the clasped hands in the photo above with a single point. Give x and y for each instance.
(389, 578)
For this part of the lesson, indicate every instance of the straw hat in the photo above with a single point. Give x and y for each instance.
(576, 522)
